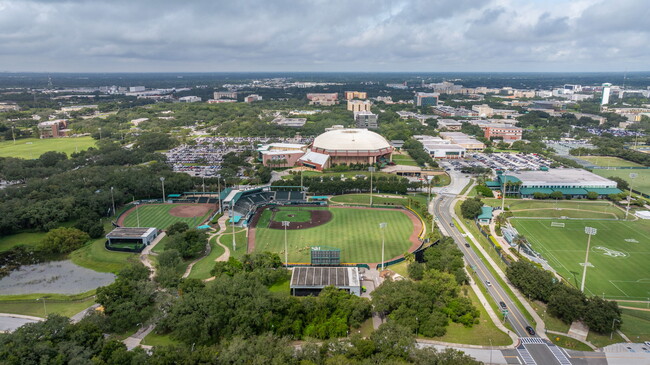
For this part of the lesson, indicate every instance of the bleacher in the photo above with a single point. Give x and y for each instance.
(203, 200)
(282, 196)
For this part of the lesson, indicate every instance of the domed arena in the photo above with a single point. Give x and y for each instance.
(352, 146)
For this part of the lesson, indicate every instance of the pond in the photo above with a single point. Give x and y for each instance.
(60, 277)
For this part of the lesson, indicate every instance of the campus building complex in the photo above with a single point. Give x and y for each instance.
(575, 183)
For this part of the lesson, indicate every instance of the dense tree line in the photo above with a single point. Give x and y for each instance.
(417, 152)
(445, 257)
(333, 185)
(471, 208)
(564, 302)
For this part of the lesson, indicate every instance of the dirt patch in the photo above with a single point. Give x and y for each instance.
(190, 211)
(318, 218)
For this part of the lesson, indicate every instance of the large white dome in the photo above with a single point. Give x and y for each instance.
(350, 140)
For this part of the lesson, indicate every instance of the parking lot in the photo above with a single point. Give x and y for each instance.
(499, 161)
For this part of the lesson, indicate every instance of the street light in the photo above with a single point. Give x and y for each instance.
(613, 323)
(629, 198)
(381, 228)
(162, 180)
(113, 200)
(590, 231)
(489, 339)
(44, 307)
(371, 169)
(285, 224)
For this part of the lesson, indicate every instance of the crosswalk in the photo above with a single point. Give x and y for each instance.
(531, 341)
(526, 356)
(559, 355)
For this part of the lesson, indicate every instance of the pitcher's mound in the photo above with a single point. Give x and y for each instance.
(189, 211)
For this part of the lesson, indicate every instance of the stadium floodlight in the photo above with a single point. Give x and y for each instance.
(503, 189)
(371, 169)
(590, 231)
(629, 198)
(382, 226)
(285, 224)
(162, 180)
(232, 219)
(113, 200)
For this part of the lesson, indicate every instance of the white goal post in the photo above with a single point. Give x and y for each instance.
(557, 224)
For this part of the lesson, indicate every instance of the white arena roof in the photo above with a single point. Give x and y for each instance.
(350, 140)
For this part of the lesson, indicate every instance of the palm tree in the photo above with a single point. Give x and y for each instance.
(519, 241)
(409, 257)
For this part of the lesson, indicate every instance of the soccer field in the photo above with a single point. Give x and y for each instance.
(618, 256)
(607, 161)
(640, 183)
(355, 231)
(158, 215)
(31, 148)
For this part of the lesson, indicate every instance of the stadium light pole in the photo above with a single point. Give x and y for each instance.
(629, 198)
(219, 187)
(590, 231)
(232, 219)
(503, 189)
(203, 177)
(285, 224)
(382, 226)
(113, 200)
(13, 133)
(162, 180)
(371, 169)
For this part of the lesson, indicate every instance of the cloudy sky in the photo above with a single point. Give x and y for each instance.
(324, 35)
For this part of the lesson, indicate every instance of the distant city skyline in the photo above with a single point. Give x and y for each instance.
(327, 36)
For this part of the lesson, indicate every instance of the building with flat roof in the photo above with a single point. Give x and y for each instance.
(359, 105)
(449, 124)
(323, 98)
(131, 237)
(501, 131)
(464, 140)
(53, 128)
(280, 154)
(311, 280)
(290, 122)
(225, 95)
(426, 99)
(571, 182)
(349, 95)
(365, 119)
(315, 160)
(252, 98)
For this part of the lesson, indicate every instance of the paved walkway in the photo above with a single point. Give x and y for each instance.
(144, 255)
(134, 340)
(9, 322)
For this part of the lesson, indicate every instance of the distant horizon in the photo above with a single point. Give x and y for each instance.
(326, 72)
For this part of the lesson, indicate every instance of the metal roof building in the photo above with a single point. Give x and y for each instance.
(311, 280)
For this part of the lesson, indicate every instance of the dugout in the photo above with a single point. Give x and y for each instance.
(132, 236)
(311, 280)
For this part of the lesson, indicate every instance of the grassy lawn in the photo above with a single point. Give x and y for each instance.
(21, 239)
(568, 342)
(640, 183)
(479, 334)
(154, 339)
(401, 268)
(607, 161)
(599, 340)
(404, 159)
(354, 231)
(386, 199)
(241, 243)
(31, 148)
(570, 213)
(619, 254)
(636, 325)
(35, 307)
(366, 328)
(201, 270)
(162, 245)
(157, 215)
(95, 257)
(281, 287)
(552, 323)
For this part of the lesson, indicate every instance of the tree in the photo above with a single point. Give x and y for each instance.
(567, 304)
(592, 195)
(393, 340)
(64, 240)
(91, 224)
(556, 195)
(471, 208)
(620, 183)
(602, 315)
(177, 227)
(189, 244)
(519, 241)
(484, 191)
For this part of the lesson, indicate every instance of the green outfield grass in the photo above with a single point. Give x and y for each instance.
(619, 254)
(386, 199)
(640, 183)
(292, 214)
(355, 231)
(404, 159)
(31, 148)
(157, 215)
(606, 161)
(201, 270)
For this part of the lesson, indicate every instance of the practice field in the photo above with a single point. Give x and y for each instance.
(355, 231)
(31, 148)
(404, 159)
(162, 216)
(607, 161)
(619, 254)
(576, 208)
(640, 183)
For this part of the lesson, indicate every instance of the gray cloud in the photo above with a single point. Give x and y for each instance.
(321, 35)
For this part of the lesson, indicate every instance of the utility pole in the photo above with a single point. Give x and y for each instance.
(629, 198)
(382, 226)
(285, 224)
(162, 180)
(113, 200)
(371, 169)
(590, 232)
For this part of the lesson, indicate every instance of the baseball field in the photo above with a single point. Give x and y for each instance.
(618, 256)
(162, 216)
(354, 230)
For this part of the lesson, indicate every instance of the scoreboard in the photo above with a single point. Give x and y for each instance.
(325, 256)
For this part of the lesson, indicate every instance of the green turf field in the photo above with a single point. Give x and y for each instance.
(640, 183)
(577, 208)
(157, 215)
(607, 161)
(292, 214)
(378, 199)
(31, 148)
(355, 231)
(619, 254)
(404, 159)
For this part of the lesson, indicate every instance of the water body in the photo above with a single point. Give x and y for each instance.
(60, 277)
